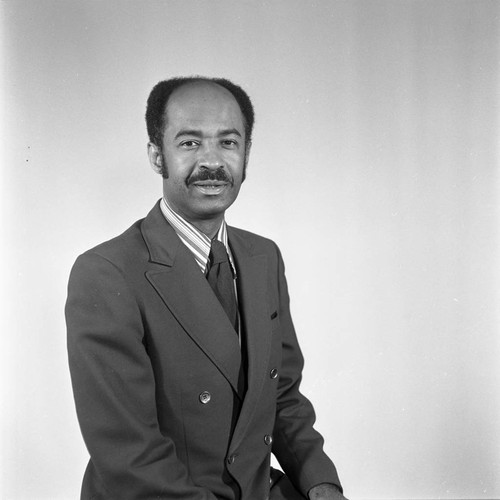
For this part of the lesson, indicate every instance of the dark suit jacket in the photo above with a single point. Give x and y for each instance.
(155, 364)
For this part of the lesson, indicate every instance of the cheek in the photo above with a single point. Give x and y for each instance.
(177, 187)
(236, 164)
(178, 164)
(175, 181)
(178, 173)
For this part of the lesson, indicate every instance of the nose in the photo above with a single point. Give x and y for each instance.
(210, 157)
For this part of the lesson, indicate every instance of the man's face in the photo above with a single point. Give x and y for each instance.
(203, 151)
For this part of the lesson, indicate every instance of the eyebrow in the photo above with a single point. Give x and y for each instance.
(198, 133)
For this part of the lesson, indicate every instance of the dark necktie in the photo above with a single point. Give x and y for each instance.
(220, 278)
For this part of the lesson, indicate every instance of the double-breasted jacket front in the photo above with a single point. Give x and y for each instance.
(156, 372)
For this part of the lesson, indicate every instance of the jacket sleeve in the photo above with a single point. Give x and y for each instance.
(297, 445)
(114, 389)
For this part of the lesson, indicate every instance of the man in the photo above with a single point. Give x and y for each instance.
(184, 360)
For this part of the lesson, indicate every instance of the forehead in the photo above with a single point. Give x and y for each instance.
(203, 105)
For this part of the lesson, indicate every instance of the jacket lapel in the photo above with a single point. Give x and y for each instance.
(254, 309)
(187, 294)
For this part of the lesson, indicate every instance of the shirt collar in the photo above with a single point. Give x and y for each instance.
(196, 241)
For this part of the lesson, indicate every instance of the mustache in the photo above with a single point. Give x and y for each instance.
(210, 175)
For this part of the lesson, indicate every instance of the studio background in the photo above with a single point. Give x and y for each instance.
(374, 167)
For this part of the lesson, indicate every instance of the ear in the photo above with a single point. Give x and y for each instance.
(155, 157)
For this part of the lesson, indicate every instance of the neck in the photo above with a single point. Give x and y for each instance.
(208, 227)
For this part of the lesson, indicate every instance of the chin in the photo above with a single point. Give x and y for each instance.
(214, 208)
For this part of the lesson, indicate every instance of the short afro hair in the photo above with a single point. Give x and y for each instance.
(161, 92)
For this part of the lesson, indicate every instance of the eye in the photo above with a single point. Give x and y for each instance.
(189, 144)
(230, 143)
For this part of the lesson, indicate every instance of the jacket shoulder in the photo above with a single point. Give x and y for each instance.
(123, 249)
(258, 242)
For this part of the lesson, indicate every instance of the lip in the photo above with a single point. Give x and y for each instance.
(210, 188)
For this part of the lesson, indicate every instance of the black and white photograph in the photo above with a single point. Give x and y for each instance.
(250, 249)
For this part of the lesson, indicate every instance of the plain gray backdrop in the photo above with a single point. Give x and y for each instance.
(374, 167)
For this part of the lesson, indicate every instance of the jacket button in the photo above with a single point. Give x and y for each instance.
(273, 373)
(205, 397)
(268, 439)
(231, 459)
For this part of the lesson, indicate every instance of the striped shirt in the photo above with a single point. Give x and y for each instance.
(197, 242)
